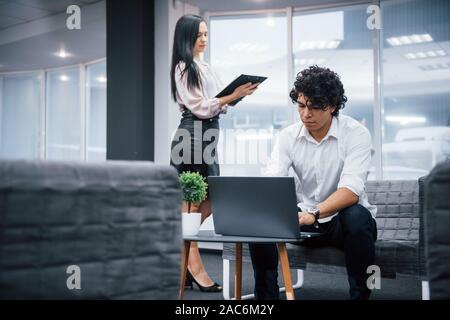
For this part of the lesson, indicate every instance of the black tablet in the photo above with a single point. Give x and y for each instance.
(239, 81)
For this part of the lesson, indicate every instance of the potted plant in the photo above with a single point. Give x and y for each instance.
(194, 187)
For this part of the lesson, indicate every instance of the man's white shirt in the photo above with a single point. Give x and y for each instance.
(341, 160)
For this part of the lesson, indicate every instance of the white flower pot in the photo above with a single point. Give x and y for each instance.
(191, 223)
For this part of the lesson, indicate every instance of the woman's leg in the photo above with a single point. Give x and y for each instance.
(205, 209)
(195, 263)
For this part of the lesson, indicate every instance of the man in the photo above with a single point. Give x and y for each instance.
(330, 154)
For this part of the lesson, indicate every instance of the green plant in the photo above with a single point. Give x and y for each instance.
(194, 187)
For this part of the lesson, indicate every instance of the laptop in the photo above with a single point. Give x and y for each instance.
(255, 207)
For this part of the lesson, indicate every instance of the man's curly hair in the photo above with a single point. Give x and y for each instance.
(321, 86)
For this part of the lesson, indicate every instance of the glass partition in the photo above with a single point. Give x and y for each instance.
(249, 127)
(63, 115)
(20, 100)
(96, 111)
(416, 67)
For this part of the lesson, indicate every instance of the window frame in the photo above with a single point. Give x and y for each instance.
(377, 39)
(41, 141)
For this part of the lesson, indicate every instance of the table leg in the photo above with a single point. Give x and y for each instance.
(238, 273)
(282, 252)
(184, 264)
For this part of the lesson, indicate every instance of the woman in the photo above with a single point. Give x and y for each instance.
(194, 87)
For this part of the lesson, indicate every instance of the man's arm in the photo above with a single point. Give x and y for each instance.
(338, 200)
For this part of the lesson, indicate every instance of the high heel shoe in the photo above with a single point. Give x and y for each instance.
(190, 280)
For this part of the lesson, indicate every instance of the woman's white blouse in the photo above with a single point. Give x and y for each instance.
(200, 101)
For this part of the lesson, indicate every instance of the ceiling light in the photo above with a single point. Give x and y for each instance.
(437, 66)
(421, 55)
(425, 54)
(333, 44)
(411, 39)
(321, 44)
(394, 41)
(62, 54)
(270, 22)
(426, 37)
(101, 79)
(312, 45)
(63, 77)
(427, 67)
(403, 120)
(410, 56)
(407, 40)
(415, 37)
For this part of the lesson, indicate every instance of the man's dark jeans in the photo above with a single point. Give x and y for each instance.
(353, 230)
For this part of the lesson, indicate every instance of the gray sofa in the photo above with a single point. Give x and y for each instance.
(400, 244)
(437, 235)
(117, 221)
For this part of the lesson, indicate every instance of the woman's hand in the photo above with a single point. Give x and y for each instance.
(245, 90)
(239, 92)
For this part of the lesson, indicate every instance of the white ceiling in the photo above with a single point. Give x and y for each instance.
(14, 12)
(24, 48)
(32, 31)
(235, 5)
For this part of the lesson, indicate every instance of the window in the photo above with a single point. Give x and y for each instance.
(339, 40)
(416, 68)
(415, 82)
(32, 127)
(96, 111)
(63, 115)
(20, 97)
(248, 128)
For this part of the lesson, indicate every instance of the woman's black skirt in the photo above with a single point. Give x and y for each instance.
(194, 146)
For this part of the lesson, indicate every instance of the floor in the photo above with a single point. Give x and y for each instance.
(316, 286)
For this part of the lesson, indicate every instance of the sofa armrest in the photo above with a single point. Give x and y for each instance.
(436, 235)
(422, 181)
(117, 221)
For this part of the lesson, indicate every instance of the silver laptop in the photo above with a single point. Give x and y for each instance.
(255, 207)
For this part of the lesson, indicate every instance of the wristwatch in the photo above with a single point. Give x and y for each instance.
(316, 213)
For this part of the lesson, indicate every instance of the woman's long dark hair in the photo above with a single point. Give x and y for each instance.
(186, 32)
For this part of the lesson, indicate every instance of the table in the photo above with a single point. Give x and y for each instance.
(210, 236)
